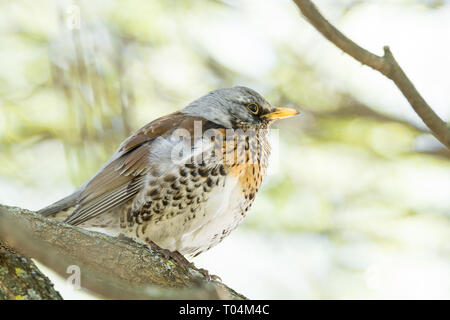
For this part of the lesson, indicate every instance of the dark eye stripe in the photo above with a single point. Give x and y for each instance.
(253, 108)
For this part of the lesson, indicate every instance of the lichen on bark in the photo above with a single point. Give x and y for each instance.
(20, 279)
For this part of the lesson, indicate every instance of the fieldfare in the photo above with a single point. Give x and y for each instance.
(183, 181)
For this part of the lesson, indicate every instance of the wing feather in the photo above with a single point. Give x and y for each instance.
(122, 177)
(105, 202)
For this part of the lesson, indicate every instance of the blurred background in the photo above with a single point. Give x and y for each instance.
(358, 205)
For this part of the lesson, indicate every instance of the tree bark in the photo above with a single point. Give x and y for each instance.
(20, 279)
(111, 267)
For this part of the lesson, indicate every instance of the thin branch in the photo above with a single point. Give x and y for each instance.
(111, 267)
(386, 64)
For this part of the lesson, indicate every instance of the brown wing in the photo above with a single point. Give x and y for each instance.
(121, 178)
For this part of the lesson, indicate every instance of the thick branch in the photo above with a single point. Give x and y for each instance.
(112, 267)
(20, 279)
(386, 64)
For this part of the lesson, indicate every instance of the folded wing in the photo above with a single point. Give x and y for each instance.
(122, 177)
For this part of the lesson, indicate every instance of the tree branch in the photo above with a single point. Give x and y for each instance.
(111, 267)
(20, 279)
(386, 64)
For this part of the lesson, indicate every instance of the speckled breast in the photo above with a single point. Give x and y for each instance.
(196, 204)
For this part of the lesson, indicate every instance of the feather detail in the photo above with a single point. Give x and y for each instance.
(123, 176)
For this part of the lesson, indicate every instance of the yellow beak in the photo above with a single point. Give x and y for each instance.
(280, 113)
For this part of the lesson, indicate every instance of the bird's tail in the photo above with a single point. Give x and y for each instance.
(62, 208)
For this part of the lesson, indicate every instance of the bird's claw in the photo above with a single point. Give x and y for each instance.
(209, 276)
(181, 260)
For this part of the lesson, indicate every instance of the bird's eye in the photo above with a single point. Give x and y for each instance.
(253, 107)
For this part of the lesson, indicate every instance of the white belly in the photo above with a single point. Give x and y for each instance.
(222, 215)
(214, 220)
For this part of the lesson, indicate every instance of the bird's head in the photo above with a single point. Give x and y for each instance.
(237, 107)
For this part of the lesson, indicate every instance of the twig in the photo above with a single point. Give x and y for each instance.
(112, 267)
(386, 64)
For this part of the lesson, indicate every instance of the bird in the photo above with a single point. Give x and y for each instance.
(184, 181)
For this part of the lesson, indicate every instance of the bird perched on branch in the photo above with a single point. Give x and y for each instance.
(183, 181)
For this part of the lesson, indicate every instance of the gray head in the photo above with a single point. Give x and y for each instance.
(236, 107)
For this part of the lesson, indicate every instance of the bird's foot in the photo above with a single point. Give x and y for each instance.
(175, 255)
(126, 238)
(209, 276)
(181, 260)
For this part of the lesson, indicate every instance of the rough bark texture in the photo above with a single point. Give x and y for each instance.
(111, 267)
(386, 64)
(20, 279)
